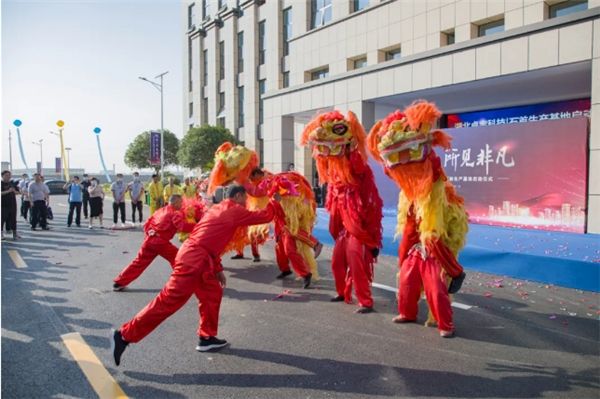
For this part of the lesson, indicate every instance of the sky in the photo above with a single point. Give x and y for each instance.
(79, 61)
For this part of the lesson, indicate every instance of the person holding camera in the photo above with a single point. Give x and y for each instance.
(9, 205)
(75, 190)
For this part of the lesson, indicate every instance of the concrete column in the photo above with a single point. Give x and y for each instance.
(279, 143)
(593, 216)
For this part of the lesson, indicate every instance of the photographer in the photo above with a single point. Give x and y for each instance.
(9, 205)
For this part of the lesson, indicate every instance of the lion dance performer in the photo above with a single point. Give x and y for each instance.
(353, 202)
(293, 227)
(431, 216)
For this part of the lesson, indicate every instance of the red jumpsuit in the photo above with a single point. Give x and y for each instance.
(196, 265)
(159, 230)
(355, 225)
(421, 268)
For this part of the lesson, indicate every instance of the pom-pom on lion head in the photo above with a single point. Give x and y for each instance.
(231, 163)
(402, 143)
(332, 138)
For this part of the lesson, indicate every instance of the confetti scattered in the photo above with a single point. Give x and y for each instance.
(552, 317)
(572, 314)
(487, 294)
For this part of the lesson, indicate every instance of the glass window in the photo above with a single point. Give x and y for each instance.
(221, 122)
(567, 7)
(191, 15)
(360, 4)
(221, 60)
(491, 28)
(287, 30)
(262, 85)
(205, 9)
(221, 102)
(204, 67)
(359, 63)
(320, 13)
(286, 79)
(319, 74)
(262, 44)
(241, 106)
(205, 111)
(449, 37)
(240, 52)
(191, 110)
(190, 83)
(393, 54)
(191, 126)
(222, 3)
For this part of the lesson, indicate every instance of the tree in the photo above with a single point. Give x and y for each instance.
(199, 144)
(138, 151)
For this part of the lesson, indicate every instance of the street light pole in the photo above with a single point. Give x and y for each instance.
(159, 87)
(68, 160)
(63, 172)
(39, 142)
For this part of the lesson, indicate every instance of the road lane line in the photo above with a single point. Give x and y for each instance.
(100, 379)
(16, 258)
(392, 289)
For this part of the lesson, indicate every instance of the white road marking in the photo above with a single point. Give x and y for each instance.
(457, 305)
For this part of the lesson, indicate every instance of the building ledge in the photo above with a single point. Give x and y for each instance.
(590, 14)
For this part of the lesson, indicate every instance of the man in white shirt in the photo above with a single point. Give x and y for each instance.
(118, 189)
(136, 192)
(39, 194)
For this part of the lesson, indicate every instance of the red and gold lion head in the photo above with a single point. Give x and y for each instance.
(232, 163)
(403, 143)
(333, 138)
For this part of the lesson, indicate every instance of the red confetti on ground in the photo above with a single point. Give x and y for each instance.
(487, 294)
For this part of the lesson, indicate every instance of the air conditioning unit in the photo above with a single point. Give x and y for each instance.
(237, 11)
(202, 32)
(219, 22)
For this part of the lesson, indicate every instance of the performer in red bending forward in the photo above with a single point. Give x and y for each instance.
(159, 230)
(197, 270)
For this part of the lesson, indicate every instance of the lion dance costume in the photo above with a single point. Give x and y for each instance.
(431, 215)
(353, 202)
(293, 227)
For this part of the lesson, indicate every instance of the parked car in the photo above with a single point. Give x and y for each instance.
(56, 186)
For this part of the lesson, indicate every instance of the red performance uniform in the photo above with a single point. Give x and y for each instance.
(159, 230)
(421, 268)
(355, 225)
(196, 266)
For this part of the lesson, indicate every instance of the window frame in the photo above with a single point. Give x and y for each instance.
(262, 43)
(486, 27)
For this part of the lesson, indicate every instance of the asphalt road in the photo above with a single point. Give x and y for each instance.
(515, 339)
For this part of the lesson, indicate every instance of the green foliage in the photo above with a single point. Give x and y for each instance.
(138, 152)
(198, 146)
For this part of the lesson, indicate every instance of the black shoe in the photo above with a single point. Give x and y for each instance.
(307, 279)
(33, 228)
(456, 283)
(117, 345)
(283, 275)
(256, 259)
(45, 228)
(117, 287)
(364, 309)
(318, 248)
(68, 225)
(338, 298)
(78, 225)
(210, 343)
(238, 256)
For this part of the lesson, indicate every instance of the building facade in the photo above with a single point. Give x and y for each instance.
(264, 68)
